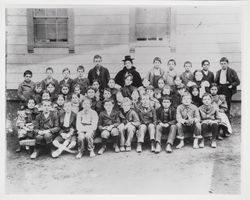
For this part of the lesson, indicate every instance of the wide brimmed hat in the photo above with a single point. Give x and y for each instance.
(128, 58)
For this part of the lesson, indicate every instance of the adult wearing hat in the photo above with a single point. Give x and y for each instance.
(128, 69)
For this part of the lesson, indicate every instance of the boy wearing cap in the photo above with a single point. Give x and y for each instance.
(128, 69)
(188, 118)
(147, 117)
(25, 89)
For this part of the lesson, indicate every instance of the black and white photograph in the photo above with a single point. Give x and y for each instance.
(123, 99)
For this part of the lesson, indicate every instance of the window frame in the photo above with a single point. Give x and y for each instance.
(31, 37)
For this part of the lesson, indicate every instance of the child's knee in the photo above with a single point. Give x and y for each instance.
(105, 134)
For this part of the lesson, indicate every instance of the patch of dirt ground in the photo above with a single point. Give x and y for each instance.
(185, 171)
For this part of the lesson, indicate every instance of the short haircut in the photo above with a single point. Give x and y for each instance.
(213, 85)
(166, 97)
(111, 79)
(204, 61)
(207, 94)
(186, 94)
(224, 59)
(198, 70)
(108, 100)
(51, 83)
(65, 85)
(161, 79)
(107, 89)
(65, 69)
(177, 76)
(129, 75)
(46, 101)
(60, 95)
(96, 80)
(30, 98)
(150, 87)
(27, 72)
(80, 67)
(49, 68)
(193, 87)
(97, 56)
(45, 91)
(172, 60)
(187, 62)
(38, 84)
(157, 59)
(76, 85)
(145, 95)
(91, 88)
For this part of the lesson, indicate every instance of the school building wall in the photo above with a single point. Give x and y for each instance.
(198, 33)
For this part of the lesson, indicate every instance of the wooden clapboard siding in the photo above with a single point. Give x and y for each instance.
(200, 33)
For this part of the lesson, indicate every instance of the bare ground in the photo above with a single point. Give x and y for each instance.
(185, 171)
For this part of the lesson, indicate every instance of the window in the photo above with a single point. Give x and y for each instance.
(50, 28)
(152, 26)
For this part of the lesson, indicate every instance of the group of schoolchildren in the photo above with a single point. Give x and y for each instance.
(68, 115)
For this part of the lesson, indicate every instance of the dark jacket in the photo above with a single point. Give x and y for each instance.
(147, 116)
(103, 77)
(232, 79)
(161, 117)
(127, 91)
(115, 118)
(69, 82)
(25, 90)
(83, 82)
(209, 77)
(72, 122)
(51, 123)
(120, 77)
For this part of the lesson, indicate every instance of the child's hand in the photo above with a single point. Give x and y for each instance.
(166, 125)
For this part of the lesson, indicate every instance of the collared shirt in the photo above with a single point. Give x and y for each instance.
(205, 72)
(223, 77)
(66, 120)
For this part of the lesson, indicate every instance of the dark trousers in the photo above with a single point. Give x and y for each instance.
(171, 131)
(228, 93)
(209, 125)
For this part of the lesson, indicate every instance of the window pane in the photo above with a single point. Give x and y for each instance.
(62, 21)
(51, 21)
(51, 33)
(39, 12)
(62, 12)
(62, 32)
(50, 12)
(40, 33)
(39, 20)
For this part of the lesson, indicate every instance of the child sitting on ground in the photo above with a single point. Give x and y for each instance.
(209, 119)
(66, 140)
(86, 125)
(166, 124)
(110, 125)
(147, 117)
(188, 118)
(132, 123)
